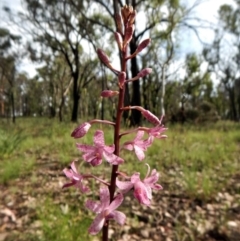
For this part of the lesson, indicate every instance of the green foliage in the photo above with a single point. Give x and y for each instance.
(9, 142)
(61, 222)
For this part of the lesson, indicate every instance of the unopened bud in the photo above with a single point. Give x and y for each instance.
(121, 79)
(109, 93)
(103, 57)
(132, 17)
(143, 45)
(128, 35)
(144, 72)
(126, 11)
(118, 38)
(151, 117)
(119, 23)
(81, 130)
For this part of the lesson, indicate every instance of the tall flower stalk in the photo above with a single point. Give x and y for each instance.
(112, 192)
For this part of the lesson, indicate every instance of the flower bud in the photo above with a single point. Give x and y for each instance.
(118, 38)
(128, 35)
(119, 23)
(132, 17)
(81, 130)
(144, 72)
(103, 57)
(151, 117)
(109, 93)
(126, 11)
(143, 45)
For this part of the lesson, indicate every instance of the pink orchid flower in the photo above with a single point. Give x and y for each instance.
(105, 210)
(94, 154)
(138, 145)
(75, 177)
(81, 130)
(142, 189)
(156, 132)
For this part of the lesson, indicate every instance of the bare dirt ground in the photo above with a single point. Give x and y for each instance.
(172, 217)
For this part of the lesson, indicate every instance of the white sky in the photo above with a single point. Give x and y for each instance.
(207, 11)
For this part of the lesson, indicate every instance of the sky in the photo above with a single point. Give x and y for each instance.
(189, 42)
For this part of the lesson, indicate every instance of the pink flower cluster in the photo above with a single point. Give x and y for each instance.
(112, 192)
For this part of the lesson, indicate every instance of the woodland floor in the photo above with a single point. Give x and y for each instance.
(172, 216)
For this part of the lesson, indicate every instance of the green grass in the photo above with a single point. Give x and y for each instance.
(63, 222)
(195, 160)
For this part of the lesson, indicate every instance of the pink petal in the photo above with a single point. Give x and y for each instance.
(139, 152)
(68, 173)
(115, 203)
(119, 217)
(93, 206)
(135, 177)
(128, 146)
(139, 135)
(104, 197)
(141, 193)
(73, 167)
(113, 159)
(99, 139)
(97, 224)
(88, 157)
(124, 186)
(96, 161)
(85, 148)
(153, 178)
(109, 149)
(157, 187)
(149, 192)
(118, 161)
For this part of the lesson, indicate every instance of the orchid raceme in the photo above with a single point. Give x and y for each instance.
(112, 191)
(94, 154)
(142, 189)
(105, 210)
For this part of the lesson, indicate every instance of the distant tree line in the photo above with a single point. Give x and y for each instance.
(63, 36)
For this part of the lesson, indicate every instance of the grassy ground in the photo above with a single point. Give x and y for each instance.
(199, 166)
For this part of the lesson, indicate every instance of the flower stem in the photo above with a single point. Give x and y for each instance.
(117, 127)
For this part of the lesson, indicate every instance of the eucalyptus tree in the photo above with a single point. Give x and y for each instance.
(158, 19)
(9, 57)
(224, 56)
(57, 28)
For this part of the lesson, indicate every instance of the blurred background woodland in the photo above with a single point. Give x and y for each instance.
(62, 36)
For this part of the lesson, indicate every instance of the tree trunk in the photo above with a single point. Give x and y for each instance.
(60, 115)
(233, 109)
(162, 111)
(136, 95)
(13, 108)
(75, 99)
